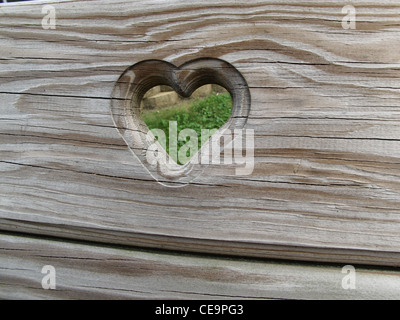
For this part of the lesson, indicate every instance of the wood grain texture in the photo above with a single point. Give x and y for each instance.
(325, 110)
(95, 272)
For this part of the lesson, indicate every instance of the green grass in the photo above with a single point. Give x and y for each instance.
(210, 113)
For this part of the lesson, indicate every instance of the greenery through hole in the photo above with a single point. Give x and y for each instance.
(197, 113)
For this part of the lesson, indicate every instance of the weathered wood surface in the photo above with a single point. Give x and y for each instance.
(325, 110)
(96, 272)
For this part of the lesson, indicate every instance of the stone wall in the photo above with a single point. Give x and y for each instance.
(164, 97)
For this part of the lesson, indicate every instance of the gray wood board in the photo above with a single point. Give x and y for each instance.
(325, 110)
(87, 271)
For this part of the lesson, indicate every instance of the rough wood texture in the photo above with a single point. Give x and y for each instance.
(325, 110)
(95, 272)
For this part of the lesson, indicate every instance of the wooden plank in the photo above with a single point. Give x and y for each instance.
(324, 107)
(84, 271)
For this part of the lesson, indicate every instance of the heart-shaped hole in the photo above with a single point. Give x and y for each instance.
(126, 108)
(183, 125)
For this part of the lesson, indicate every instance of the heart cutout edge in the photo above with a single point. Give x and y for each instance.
(141, 77)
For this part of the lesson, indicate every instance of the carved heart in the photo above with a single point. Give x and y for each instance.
(141, 77)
